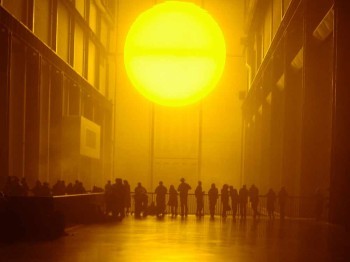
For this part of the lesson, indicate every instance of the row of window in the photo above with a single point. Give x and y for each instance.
(264, 34)
(78, 30)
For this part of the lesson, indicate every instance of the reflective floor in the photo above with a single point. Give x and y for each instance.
(190, 240)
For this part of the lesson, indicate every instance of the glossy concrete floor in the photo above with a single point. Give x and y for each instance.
(189, 240)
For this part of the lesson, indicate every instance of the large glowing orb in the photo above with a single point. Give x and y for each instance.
(174, 53)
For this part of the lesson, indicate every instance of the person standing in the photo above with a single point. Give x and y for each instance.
(119, 198)
(199, 193)
(234, 201)
(140, 203)
(160, 192)
(173, 203)
(254, 200)
(243, 200)
(224, 200)
(213, 195)
(183, 190)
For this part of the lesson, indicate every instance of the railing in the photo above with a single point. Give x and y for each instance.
(85, 208)
(296, 206)
(89, 207)
(73, 206)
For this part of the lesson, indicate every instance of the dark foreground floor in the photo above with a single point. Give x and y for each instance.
(189, 240)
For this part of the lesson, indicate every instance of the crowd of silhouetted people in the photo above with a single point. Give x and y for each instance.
(118, 196)
(19, 187)
(236, 200)
(118, 200)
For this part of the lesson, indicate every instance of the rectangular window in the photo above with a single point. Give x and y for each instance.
(87, 107)
(73, 100)
(17, 108)
(92, 63)
(267, 30)
(80, 6)
(104, 33)
(93, 17)
(102, 85)
(63, 32)
(90, 136)
(79, 49)
(65, 97)
(111, 68)
(42, 20)
(259, 49)
(44, 120)
(277, 15)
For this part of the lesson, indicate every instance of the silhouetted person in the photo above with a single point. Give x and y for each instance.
(55, 188)
(234, 201)
(270, 203)
(199, 193)
(70, 189)
(108, 197)
(173, 203)
(81, 188)
(118, 198)
(59, 188)
(62, 188)
(282, 200)
(319, 203)
(254, 200)
(243, 200)
(13, 188)
(213, 195)
(183, 189)
(140, 201)
(37, 189)
(127, 199)
(78, 188)
(160, 191)
(45, 190)
(225, 200)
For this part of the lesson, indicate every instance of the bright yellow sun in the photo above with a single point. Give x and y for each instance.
(174, 53)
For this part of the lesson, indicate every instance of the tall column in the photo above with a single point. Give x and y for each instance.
(340, 164)
(4, 103)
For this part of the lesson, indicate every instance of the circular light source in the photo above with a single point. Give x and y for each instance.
(174, 53)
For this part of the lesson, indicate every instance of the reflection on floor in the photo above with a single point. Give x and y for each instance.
(190, 239)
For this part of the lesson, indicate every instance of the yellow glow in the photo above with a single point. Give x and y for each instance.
(174, 53)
